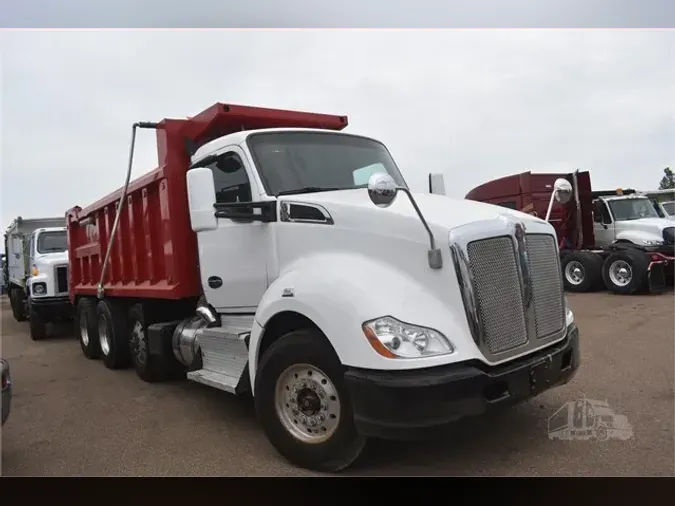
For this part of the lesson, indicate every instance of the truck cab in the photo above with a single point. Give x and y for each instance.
(629, 218)
(667, 209)
(274, 254)
(47, 281)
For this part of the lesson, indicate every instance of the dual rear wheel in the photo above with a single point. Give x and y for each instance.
(623, 271)
(301, 399)
(110, 331)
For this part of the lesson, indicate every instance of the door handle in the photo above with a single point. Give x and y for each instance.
(214, 282)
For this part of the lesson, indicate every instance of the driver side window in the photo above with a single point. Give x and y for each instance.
(601, 213)
(230, 179)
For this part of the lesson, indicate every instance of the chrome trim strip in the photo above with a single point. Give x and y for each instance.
(503, 226)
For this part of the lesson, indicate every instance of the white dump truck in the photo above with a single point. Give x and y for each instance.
(275, 255)
(37, 272)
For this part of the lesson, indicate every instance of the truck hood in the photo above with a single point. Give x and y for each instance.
(655, 225)
(440, 211)
(50, 259)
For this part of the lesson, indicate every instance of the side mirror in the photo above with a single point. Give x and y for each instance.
(436, 184)
(382, 189)
(201, 196)
(562, 189)
(562, 192)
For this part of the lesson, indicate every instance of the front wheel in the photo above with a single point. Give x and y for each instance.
(303, 404)
(18, 302)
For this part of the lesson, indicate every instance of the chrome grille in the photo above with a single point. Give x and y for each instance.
(547, 287)
(498, 293)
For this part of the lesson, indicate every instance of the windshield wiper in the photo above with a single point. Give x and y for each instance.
(309, 189)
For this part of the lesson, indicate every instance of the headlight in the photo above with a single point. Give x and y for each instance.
(34, 271)
(39, 288)
(394, 339)
(568, 311)
(652, 243)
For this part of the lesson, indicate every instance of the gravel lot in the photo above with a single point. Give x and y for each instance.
(72, 417)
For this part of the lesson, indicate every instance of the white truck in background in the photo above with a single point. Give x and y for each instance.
(37, 272)
(663, 202)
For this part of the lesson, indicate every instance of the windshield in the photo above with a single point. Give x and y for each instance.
(296, 162)
(669, 208)
(52, 242)
(632, 209)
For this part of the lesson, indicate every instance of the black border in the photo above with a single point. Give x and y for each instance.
(279, 491)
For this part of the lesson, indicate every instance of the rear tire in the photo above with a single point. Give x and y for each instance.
(324, 440)
(581, 271)
(86, 328)
(38, 326)
(150, 368)
(113, 335)
(625, 271)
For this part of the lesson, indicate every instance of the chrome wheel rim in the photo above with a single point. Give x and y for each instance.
(103, 335)
(574, 273)
(138, 342)
(621, 273)
(84, 331)
(307, 403)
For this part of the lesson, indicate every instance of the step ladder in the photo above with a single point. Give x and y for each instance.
(225, 355)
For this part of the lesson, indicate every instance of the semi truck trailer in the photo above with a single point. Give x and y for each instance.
(273, 254)
(36, 270)
(610, 239)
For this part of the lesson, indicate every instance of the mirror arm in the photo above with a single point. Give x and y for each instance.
(434, 255)
(550, 205)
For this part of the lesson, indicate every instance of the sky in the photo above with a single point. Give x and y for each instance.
(472, 104)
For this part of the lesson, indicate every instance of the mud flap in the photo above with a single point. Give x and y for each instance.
(657, 278)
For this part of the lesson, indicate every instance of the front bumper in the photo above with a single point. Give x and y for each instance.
(53, 307)
(414, 404)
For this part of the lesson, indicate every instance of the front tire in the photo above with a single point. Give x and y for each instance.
(18, 302)
(38, 326)
(303, 403)
(86, 328)
(625, 272)
(113, 336)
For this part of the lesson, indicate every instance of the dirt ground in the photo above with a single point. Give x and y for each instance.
(72, 417)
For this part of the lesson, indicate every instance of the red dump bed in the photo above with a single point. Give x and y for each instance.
(155, 252)
(531, 193)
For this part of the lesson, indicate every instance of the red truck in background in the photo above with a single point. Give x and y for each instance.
(613, 238)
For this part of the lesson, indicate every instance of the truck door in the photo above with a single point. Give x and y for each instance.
(233, 257)
(603, 225)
